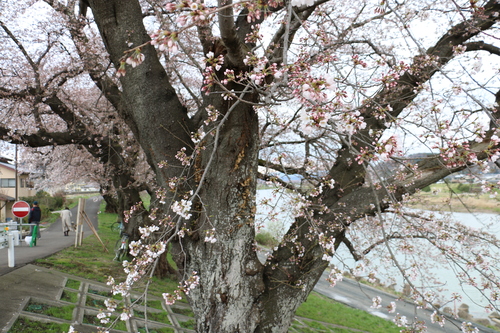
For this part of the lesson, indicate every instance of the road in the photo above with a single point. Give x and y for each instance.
(52, 240)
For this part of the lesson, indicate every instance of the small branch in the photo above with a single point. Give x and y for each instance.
(351, 249)
(281, 168)
(279, 181)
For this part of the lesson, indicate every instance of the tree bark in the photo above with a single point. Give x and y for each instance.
(230, 272)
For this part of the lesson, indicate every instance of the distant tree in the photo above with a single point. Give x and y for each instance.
(219, 95)
(426, 189)
(76, 136)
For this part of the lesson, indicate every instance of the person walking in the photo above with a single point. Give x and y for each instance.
(66, 216)
(35, 217)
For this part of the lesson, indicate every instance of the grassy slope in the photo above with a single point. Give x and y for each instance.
(91, 262)
(450, 198)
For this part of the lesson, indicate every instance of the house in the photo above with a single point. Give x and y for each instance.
(13, 185)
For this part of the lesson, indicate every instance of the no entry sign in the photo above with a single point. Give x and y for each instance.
(20, 209)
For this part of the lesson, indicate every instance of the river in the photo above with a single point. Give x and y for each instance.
(278, 220)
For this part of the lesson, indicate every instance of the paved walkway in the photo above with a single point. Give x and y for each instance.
(52, 239)
(28, 291)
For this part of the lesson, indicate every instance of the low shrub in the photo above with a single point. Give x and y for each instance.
(47, 203)
(265, 238)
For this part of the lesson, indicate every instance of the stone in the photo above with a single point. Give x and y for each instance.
(482, 321)
(463, 312)
(494, 315)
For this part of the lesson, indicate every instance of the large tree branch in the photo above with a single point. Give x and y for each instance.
(31, 62)
(350, 199)
(236, 49)
(43, 138)
(150, 104)
(281, 168)
(279, 181)
(246, 25)
(285, 35)
(357, 256)
(482, 46)
(206, 37)
(346, 172)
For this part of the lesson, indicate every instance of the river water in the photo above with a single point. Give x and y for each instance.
(275, 213)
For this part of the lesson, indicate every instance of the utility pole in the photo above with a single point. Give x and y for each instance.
(17, 176)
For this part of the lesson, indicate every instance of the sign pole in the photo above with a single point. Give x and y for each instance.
(21, 229)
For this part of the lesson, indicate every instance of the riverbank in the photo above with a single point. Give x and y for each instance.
(456, 198)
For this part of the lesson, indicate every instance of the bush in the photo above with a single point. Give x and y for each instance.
(426, 189)
(41, 194)
(59, 199)
(46, 202)
(462, 187)
(266, 239)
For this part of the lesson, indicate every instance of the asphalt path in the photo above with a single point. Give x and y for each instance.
(347, 291)
(52, 239)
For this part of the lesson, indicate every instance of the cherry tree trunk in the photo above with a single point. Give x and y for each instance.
(218, 244)
(221, 246)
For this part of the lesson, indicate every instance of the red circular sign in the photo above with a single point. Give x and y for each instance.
(20, 209)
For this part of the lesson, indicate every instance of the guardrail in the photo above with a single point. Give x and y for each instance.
(5, 230)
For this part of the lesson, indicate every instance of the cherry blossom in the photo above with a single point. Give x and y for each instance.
(182, 208)
(325, 102)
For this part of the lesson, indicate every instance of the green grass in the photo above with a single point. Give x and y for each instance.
(62, 312)
(456, 197)
(161, 317)
(94, 302)
(89, 261)
(265, 238)
(321, 308)
(73, 284)
(183, 311)
(92, 320)
(25, 325)
(190, 324)
(316, 325)
(155, 304)
(146, 199)
(69, 296)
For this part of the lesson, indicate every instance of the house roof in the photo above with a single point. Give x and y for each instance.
(4, 197)
(5, 159)
(7, 165)
(13, 168)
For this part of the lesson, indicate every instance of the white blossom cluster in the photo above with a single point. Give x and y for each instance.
(182, 208)
(300, 3)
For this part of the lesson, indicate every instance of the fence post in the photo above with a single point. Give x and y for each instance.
(10, 251)
(79, 222)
